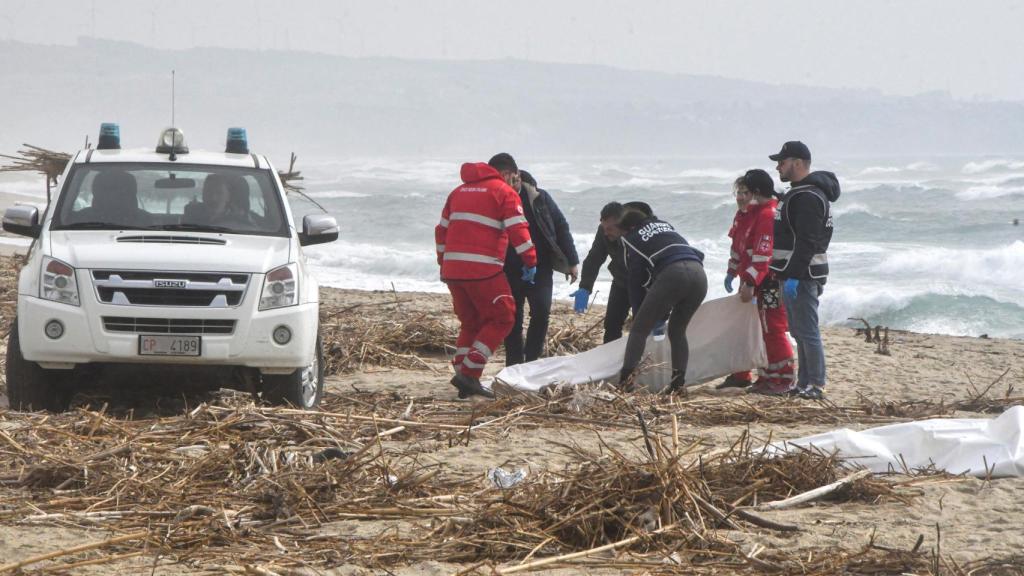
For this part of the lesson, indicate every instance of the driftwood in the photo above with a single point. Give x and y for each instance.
(816, 494)
(36, 159)
(73, 550)
(566, 557)
(866, 331)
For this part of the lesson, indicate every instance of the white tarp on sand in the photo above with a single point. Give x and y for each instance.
(955, 445)
(724, 337)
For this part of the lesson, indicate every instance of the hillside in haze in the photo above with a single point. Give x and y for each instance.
(321, 105)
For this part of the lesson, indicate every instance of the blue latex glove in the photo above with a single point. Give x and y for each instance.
(582, 297)
(789, 288)
(529, 272)
(659, 329)
(728, 282)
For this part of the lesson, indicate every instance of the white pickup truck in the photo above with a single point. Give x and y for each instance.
(177, 262)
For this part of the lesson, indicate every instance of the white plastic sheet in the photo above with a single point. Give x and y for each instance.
(724, 337)
(978, 447)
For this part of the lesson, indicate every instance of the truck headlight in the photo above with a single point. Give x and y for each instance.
(58, 282)
(280, 288)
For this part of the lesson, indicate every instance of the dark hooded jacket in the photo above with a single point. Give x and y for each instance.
(549, 230)
(601, 249)
(803, 228)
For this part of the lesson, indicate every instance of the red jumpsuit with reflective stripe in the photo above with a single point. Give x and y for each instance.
(752, 243)
(479, 220)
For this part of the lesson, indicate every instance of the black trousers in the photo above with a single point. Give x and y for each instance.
(679, 289)
(538, 296)
(617, 311)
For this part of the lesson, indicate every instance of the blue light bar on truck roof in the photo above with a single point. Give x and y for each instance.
(238, 141)
(110, 137)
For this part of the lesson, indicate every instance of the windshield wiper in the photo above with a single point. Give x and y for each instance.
(192, 227)
(94, 226)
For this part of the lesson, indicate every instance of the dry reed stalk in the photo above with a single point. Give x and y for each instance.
(36, 159)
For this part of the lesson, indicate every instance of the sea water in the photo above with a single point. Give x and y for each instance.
(925, 244)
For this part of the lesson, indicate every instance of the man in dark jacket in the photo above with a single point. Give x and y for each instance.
(606, 244)
(803, 230)
(555, 252)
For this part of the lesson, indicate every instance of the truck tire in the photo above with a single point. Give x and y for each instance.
(303, 388)
(31, 387)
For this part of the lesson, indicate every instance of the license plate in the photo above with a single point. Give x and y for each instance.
(163, 345)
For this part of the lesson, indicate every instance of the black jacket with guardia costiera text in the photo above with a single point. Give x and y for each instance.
(648, 249)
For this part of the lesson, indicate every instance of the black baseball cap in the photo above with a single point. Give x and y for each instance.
(792, 149)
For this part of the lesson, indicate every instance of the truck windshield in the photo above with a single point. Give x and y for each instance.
(197, 198)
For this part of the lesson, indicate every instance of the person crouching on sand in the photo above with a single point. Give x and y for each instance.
(664, 275)
(479, 220)
(752, 243)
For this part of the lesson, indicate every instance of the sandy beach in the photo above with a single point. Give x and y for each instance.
(959, 520)
(967, 519)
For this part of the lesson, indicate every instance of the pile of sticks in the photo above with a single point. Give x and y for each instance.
(221, 481)
(355, 341)
(393, 337)
(36, 159)
(234, 486)
(9, 267)
(667, 508)
(567, 336)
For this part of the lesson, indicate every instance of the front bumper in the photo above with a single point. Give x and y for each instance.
(85, 340)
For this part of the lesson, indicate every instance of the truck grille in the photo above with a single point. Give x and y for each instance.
(145, 288)
(168, 325)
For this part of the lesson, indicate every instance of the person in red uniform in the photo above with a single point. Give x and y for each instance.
(480, 220)
(752, 243)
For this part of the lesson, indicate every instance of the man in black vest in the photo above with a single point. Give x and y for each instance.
(555, 252)
(803, 229)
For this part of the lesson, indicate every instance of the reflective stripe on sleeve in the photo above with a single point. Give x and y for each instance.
(752, 271)
(759, 258)
(780, 254)
(819, 259)
(524, 247)
(443, 223)
(514, 220)
(478, 218)
(440, 247)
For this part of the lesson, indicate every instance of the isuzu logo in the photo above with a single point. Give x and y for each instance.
(170, 283)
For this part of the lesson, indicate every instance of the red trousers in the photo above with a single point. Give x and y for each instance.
(779, 371)
(486, 312)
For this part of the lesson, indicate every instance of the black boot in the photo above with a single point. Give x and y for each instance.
(626, 380)
(469, 386)
(677, 383)
(457, 381)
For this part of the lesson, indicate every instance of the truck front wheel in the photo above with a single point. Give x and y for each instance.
(302, 388)
(31, 387)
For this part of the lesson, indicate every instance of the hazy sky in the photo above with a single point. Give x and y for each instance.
(971, 49)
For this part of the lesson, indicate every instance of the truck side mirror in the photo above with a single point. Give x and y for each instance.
(24, 221)
(316, 229)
